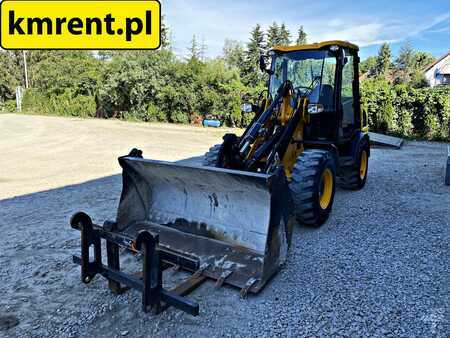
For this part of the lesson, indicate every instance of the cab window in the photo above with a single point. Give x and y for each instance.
(348, 80)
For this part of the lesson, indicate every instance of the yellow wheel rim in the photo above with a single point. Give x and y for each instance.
(326, 189)
(363, 166)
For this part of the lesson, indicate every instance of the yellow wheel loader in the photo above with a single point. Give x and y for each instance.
(310, 122)
(231, 219)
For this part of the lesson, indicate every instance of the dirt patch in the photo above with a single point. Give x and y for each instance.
(44, 152)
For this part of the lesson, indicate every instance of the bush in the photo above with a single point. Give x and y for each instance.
(403, 111)
(407, 111)
(179, 117)
(434, 108)
(9, 106)
(36, 102)
(377, 99)
(67, 105)
(155, 114)
(156, 86)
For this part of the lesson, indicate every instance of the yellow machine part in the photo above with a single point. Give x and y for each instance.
(326, 189)
(294, 148)
(314, 46)
(363, 165)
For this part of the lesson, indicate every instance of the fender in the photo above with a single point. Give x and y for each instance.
(359, 139)
(325, 146)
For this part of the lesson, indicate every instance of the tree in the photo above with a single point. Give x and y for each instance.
(302, 36)
(423, 59)
(57, 72)
(417, 77)
(284, 35)
(194, 52)
(10, 76)
(410, 64)
(405, 59)
(383, 60)
(14, 66)
(165, 34)
(255, 48)
(405, 63)
(273, 35)
(133, 82)
(278, 35)
(368, 66)
(203, 50)
(234, 54)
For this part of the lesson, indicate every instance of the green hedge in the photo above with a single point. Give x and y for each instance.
(156, 86)
(65, 104)
(8, 106)
(397, 110)
(405, 111)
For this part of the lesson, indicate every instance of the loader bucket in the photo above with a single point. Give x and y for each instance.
(235, 223)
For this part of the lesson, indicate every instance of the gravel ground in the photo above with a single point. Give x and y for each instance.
(376, 268)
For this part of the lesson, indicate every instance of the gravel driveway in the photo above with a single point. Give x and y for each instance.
(376, 268)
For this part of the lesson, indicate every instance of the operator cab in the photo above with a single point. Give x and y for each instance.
(324, 74)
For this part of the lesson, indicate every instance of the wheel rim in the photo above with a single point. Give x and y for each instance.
(326, 189)
(363, 166)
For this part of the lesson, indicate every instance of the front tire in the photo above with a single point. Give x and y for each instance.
(313, 186)
(211, 158)
(222, 155)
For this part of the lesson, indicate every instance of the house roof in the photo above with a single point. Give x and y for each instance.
(431, 65)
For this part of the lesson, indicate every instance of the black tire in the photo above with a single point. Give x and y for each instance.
(307, 189)
(221, 155)
(351, 177)
(211, 158)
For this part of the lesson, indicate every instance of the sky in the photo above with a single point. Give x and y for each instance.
(425, 23)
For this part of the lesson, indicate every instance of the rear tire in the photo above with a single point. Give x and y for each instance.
(313, 186)
(354, 177)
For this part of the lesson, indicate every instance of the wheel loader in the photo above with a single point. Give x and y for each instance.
(231, 219)
(310, 122)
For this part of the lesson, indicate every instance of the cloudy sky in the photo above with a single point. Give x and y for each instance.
(425, 23)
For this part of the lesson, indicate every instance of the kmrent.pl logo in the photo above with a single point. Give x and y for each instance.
(80, 24)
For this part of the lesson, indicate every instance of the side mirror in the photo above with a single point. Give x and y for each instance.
(262, 63)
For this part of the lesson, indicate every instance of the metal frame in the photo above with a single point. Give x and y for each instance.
(155, 260)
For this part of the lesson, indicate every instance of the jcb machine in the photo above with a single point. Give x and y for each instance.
(231, 220)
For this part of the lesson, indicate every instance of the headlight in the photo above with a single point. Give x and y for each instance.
(315, 108)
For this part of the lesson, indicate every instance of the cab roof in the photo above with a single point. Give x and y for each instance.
(317, 45)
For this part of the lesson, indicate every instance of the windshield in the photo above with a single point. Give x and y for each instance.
(312, 74)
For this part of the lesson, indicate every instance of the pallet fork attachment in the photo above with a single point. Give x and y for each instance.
(154, 296)
(226, 225)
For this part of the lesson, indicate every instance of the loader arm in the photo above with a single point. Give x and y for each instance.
(253, 133)
(268, 139)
